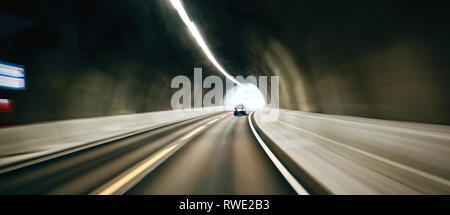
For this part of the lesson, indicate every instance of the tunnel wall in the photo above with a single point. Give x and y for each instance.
(95, 58)
(377, 59)
(372, 59)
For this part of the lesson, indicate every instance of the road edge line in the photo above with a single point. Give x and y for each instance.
(299, 189)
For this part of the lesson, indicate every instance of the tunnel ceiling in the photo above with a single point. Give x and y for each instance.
(379, 59)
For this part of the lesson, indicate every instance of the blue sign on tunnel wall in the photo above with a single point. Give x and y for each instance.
(12, 76)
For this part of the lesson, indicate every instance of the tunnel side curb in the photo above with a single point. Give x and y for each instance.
(312, 185)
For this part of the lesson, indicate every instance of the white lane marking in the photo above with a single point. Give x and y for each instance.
(286, 174)
(376, 157)
(135, 172)
(213, 121)
(192, 133)
(114, 187)
(61, 152)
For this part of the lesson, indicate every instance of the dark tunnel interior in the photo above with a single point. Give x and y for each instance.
(376, 58)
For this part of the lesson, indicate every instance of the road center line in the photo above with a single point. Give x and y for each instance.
(213, 121)
(111, 189)
(128, 177)
(192, 133)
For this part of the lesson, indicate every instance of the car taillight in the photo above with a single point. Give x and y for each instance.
(245, 109)
(235, 109)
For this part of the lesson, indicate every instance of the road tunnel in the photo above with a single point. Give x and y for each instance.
(377, 59)
(353, 75)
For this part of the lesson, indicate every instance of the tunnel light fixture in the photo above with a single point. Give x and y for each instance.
(200, 41)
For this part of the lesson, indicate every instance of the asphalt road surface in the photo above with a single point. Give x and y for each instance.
(215, 154)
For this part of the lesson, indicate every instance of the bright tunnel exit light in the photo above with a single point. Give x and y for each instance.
(198, 37)
(249, 95)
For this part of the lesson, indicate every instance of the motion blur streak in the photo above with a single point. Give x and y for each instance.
(353, 155)
(224, 159)
(393, 163)
(198, 37)
(158, 162)
(363, 96)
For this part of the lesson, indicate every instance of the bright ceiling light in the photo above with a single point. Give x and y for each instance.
(198, 37)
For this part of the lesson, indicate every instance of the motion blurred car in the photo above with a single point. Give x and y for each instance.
(240, 110)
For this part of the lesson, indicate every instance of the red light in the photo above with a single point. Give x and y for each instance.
(6, 105)
(245, 109)
(235, 109)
